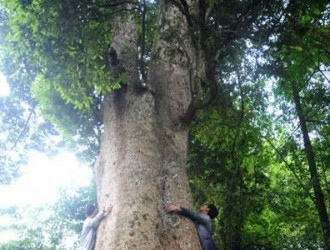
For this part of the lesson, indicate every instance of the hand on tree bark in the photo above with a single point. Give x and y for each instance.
(172, 208)
(107, 210)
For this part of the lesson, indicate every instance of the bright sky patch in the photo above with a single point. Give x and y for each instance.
(4, 87)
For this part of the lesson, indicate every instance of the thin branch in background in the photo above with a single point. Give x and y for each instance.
(240, 86)
(309, 78)
(324, 75)
(142, 43)
(202, 15)
(25, 126)
(184, 9)
(317, 122)
(116, 3)
(121, 10)
(327, 187)
(290, 168)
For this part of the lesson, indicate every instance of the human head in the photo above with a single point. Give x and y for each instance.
(90, 210)
(213, 211)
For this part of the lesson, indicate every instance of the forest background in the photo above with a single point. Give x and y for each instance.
(258, 134)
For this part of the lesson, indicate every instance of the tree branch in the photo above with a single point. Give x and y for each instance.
(198, 102)
(25, 126)
(116, 3)
(142, 43)
(290, 168)
(324, 75)
(184, 9)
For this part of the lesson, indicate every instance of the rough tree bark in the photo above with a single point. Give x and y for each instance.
(142, 162)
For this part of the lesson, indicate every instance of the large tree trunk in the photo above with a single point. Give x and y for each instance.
(142, 162)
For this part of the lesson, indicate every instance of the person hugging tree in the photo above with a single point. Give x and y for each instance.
(202, 220)
(92, 221)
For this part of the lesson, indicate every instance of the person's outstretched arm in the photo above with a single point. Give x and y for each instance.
(102, 214)
(171, 208)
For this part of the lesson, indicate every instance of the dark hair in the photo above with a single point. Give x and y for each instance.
(213, 211)
(90, 209)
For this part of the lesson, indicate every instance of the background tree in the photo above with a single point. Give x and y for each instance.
(301, 65)
(229, 160)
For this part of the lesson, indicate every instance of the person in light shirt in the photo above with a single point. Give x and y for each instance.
(92, 221)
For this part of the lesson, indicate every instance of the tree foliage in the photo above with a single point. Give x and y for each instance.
(52, 226)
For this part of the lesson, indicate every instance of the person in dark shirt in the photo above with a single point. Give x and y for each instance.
(202, 220)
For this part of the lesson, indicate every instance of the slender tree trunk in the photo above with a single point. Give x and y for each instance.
(142, 162)
(233, 217)
(319, 197)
